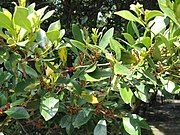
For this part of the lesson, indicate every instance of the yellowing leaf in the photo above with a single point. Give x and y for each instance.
(89, 98)
(22, 3)
(62, 52)
(93, 99)
(49, 71)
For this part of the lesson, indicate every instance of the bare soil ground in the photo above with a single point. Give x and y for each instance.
(164, 119)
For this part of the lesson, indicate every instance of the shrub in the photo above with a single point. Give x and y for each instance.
(103, 79)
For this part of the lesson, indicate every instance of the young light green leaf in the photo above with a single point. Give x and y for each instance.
(106, 38)
(149, 14)
(49, 107)
(47, 15)
(55, 26)
(5, 22)
(119, 69)
(128, 16)
(101, 128)
(167, 10)
(21, 13)
(129, 38)
(126, 95)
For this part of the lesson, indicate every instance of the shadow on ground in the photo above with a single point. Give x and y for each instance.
(164, 119)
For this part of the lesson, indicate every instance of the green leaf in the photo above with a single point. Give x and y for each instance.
(28, 84)
(106, 38)
(149, 14)
(141, 92)
(65, 121)
(30, 71)
(149, 75)
(167, 10)
(53, 35)
(20, 18)
(146, 41)
(55, 26)
(77, 33)
(156, 53)
(128, 16)
(98, 75)
(40, 12)
(3, 99)
(80, 46)
(82, 117)
(49, 107)
(169, 86)
(116, 46)
(5, 22)
(41, 38)
(158, 25)
(132, 29)
(17, 113)
(126, 95)
(4, 76)
(47, 15)
(91, 68)
(169, 44)
(119, 69)
(129, 38)
(101, 128)
(131, 126)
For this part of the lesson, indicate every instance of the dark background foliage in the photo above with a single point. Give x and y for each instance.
(85, 12)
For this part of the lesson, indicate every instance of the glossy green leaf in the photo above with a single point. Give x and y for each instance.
(167, 10)
(82, 117)
(49, 107)
(106, 39)
(169, 86)
(126, 95)
(91, 68)
(132, 29)
(101, 128)
(116, 46)
(120, 69)
(149, 14)
(53, 35)
(77, 33)
(21, 13)
(129, 38)
(141, 92)
(55, 26)
(47, 15)
(158, 25)
(4, 76)
(98, 75)
(17, 113)
(5, 22)
(128, 16)
(146, 41)
(131, 126)
(80, 46)
(3, 99)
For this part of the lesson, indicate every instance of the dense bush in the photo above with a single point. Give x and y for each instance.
(96, 89)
